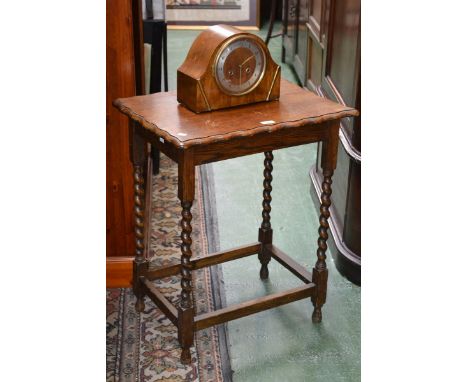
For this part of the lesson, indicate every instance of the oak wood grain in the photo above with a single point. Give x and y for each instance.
(162, 115)
(224, 256)
(198, 262)
(120, 82)
(164, 271)
(243, 309)
(119, 272)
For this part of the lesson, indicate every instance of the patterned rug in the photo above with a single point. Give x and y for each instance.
(144, 347)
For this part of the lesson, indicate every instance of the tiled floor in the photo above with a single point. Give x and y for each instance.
(280, 344)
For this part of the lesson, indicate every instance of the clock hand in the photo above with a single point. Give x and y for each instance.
(240, 68)
(247, 59)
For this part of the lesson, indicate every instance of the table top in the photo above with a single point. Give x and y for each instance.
(161, 114)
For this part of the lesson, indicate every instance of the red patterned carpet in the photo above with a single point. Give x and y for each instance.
(144, 347)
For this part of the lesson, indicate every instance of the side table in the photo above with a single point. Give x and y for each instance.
(298, 117)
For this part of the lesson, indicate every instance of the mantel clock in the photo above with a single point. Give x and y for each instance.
(227, 67)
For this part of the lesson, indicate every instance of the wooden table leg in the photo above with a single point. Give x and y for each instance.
(320, 271)
(140, 263)
(265, 233)
(185, 310)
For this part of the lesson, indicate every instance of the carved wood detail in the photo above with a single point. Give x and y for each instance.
(139, 211)
(266, 233)
(185, 311)
(186, 270)
(320, 272)
(160, 114)
(140, 262)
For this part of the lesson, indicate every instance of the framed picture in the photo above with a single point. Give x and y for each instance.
(158, 6)
(202, 13)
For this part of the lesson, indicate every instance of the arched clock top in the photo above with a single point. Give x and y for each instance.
(227, 67)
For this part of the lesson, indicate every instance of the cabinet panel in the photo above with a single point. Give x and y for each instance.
(300, 57)
(344, 50)
(316, 17)
(314, 60)
(352, 223)
(290, 19)
(316, 10)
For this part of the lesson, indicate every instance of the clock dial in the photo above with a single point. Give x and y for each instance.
(240, 66)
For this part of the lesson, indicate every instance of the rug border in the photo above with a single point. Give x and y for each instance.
(217, 283)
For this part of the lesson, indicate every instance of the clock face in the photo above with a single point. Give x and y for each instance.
(240, 66)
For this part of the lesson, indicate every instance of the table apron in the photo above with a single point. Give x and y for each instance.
(268, 141)
(240, 146)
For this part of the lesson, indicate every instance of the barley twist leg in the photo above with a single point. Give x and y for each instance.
(265, 234)
(320, 271)
(186, 305)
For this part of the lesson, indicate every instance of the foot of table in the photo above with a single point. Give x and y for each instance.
(139, 269)
(319, 278)
(186, 333)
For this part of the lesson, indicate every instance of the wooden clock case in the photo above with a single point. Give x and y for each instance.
(197, 88)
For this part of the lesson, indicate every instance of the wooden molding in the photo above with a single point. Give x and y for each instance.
(119, 272)
(155, 113)
(345, 139)
(349, 147)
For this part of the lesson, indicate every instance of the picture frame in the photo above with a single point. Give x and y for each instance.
(199, 14)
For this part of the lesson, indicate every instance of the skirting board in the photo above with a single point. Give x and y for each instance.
(119, 272)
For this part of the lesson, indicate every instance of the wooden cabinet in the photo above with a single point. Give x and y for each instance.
(289, 20)
(322, 43)
(123, 79)
(300, 53)
(295, 15)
